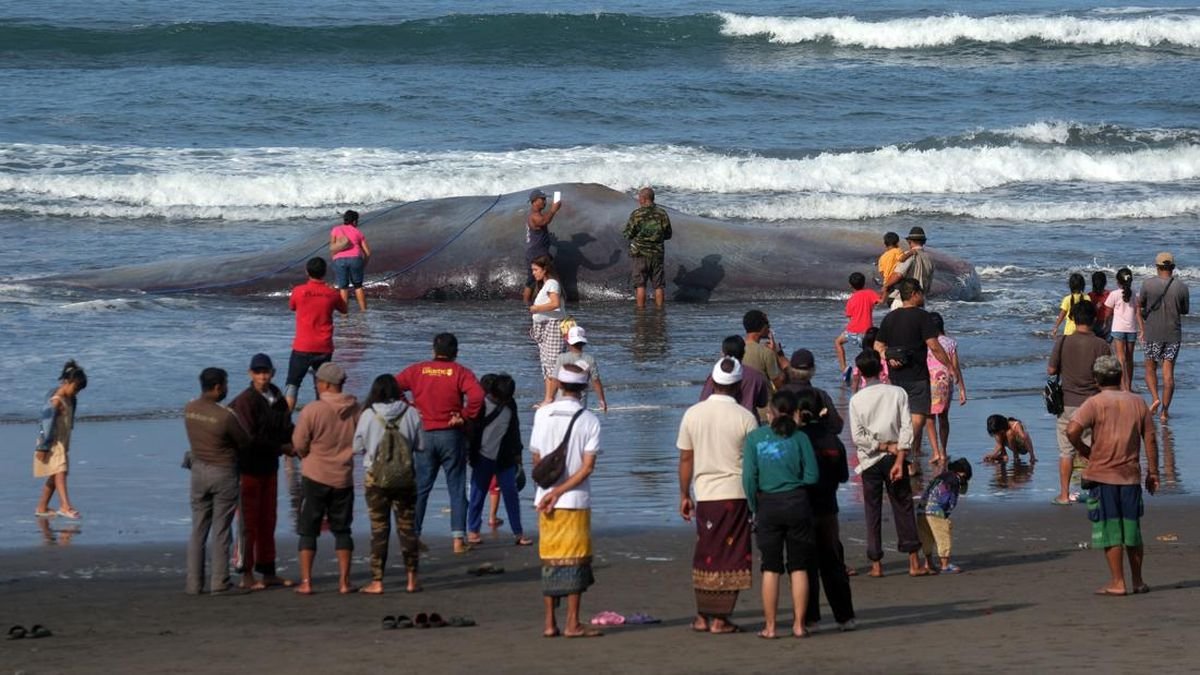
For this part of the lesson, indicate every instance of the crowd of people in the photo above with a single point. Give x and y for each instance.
(760, 455)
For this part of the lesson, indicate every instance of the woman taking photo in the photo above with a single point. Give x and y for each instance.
(547, 312)
(54, 442)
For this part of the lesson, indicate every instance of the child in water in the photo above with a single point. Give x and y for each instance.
(933, 515)
(1076, 285)
(1010, 434)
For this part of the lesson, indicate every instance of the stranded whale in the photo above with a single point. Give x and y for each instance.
(473, 247)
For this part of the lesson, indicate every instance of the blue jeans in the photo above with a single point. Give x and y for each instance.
(444, 448)
(481, 480)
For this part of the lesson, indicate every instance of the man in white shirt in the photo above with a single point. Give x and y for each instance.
(564, 508)
(711, 436)
(882, 429)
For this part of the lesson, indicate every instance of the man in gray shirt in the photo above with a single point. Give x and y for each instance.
(1161, 301)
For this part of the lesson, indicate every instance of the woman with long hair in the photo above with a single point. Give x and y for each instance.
(548, 312)
(941, 389)
(54, 442)
(495, 457)
(778, 466)
(1124, 332)
(1076, 285)
(385, 407)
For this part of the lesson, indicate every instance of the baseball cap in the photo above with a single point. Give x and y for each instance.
(734, 375)
(331, 372)
(961, 466)
(536, 194)
(802, 359)
(577, 335)
(261, 362)
(916, 234)
(571, 377)
(1164, 259)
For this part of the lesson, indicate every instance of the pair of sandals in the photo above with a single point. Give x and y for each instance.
(69, 514)
(423, 620)
(37, 631)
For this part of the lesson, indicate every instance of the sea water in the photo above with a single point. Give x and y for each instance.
(1031, 138)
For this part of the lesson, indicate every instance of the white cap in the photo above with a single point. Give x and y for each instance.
(568, 377)
(734, 376)
(577, 335)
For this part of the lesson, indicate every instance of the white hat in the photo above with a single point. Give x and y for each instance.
(734, 376)
(568, 377)
(577, 335)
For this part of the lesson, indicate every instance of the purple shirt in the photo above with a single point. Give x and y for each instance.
(753, 392)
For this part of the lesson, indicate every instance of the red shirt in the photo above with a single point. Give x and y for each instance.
(438, 388)
(314, 304)
(859, 308)
(1102, 310)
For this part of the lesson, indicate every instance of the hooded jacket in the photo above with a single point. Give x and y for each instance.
(369, 432)
(270, 427)
(324, 439)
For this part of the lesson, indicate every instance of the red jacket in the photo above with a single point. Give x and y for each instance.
(438, 388)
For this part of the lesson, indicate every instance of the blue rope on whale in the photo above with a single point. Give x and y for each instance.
(318, 249)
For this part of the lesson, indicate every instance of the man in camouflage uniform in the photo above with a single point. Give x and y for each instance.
(647, 229)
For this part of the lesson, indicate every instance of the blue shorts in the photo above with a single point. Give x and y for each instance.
(853, 338)
(1121, 336)
(348, 272)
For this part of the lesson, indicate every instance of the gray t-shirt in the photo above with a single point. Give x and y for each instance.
(493, 434)
(1162, 325)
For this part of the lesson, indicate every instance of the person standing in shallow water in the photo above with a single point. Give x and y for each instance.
(314, 303)
(647, 229)
(54, 442)
(350, 255)
(1162, 299)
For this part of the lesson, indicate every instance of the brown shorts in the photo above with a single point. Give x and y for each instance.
(648, 270)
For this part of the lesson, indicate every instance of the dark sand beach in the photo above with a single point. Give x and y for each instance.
(1024, 603)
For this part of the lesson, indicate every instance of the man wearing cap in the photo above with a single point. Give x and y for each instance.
(577, 340)
(446, 394)
(647, 228)
(324, 440)
(537, 235)
(215, 437)
(754, 391)
(1162, 299)
(883, 434)
(263, 412)
(798, 378)
(914, 264)
(711, 436)
(314, 303)
(1121, 424)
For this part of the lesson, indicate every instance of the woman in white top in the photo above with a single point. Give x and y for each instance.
(1124, 331)
(547, 312)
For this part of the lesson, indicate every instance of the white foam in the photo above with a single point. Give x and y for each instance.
(940, 31)
(1061, 132)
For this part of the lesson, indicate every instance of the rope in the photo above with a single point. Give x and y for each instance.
(286, 267)
(442, 247)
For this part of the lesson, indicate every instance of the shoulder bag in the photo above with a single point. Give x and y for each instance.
(1147, 311)
(550, 468)
(1053, 392)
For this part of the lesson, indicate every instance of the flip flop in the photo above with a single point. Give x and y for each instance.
(403, 621)
(461, 622)
(640, 619)
(1141, 589)
(39, 631)
(951, 569)
(436, 621)
(587, 632)
(17, 632)
(607, 619)
(524, 541)
(1061, 502)
(389, 622)
(729, 629)
(766, 636)
(474, 542)
(422, 620)
(44, 514)
(1111, 593)
(69, 515)
(485, 568)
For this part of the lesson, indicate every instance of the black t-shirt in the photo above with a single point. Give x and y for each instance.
(907, 329)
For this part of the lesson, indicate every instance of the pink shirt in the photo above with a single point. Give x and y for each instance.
(1123, 319)
(354, 236)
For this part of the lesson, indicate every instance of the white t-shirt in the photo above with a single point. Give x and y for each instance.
(543, 297)
(1123, 318)
(549, 426)
(715, 431)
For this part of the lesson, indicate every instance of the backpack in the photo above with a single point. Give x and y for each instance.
(393, 467)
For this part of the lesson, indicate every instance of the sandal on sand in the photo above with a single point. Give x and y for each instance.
(607, 619)
(640, 619)
(44, 514)
(422, 620)
(728, 629)
(587, 632)
(765, 635)
(951, 569)
(436, 621)
(39, 631)
(485, 568)
(524, 541)
(403, 621)
(461, 622)
(16, 632)
(1061, 502)
(1141, 589)
(1110, 592)
(475, 540)
(389, 622)
(71, 514)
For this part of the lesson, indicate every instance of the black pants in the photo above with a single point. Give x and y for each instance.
(874, 482)
(784, 522)
(318, 501)
(830, 570)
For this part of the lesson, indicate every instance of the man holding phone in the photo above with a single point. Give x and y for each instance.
(537, 234)
(647, 228)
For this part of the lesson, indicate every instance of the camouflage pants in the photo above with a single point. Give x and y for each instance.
(380, 505)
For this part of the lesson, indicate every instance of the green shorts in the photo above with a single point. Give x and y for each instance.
(1115, 512)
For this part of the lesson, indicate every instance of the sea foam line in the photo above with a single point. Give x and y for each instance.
(940, 31)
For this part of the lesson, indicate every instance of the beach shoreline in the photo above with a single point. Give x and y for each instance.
(1024, 602)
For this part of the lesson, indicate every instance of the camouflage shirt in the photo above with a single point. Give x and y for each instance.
(647, 229)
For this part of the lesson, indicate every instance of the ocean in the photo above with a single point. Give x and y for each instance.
(1032, 139)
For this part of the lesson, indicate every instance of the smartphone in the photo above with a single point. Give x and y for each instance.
(557, 196)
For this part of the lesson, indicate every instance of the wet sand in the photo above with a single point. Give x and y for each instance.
(1024, 603)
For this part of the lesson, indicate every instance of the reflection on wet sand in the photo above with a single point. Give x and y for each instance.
(649, 335)
(1009, 475)
(57, 536)
(1166, 449)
